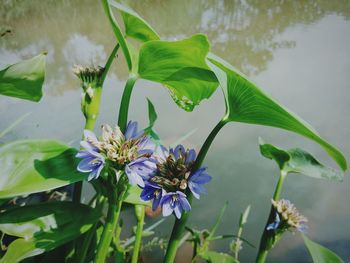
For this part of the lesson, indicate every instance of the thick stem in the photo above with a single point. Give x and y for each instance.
(267, 238)
(117, 32)
(179, 226)
(140, 215)
(124, 104)
(113, 214)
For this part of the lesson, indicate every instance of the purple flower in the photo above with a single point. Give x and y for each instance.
(152, 191)
(131, 131)
(139, 170)
(92, 161)
(275, 224)
(174, 202)
(196, 181)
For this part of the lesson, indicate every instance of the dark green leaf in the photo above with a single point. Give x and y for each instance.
(299, 161)
(152, 116)
(216, 257)
(135, 26)
(321, 254)
(181, 67)
(58, 223)
(245, 102)
(32, 166)
(24, 79)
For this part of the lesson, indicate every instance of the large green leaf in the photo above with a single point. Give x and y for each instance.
(321, 254)
(32, 166)
(245, 102)
(299, 161)
(45, 227)
(135, 26)
(24, 79)
(181, 67)
(216, 257)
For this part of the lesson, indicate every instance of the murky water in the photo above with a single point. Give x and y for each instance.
(298, 51)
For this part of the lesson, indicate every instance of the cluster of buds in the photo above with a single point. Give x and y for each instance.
(287, 217)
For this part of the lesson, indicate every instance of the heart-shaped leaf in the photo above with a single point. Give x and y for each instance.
(24, 79)
(299, 161)
(135, 26)
(247, 103)
(32, 166)
(319, 253)
(46, 226)
(181, 67)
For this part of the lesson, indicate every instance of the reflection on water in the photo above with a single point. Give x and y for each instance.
(297, 50)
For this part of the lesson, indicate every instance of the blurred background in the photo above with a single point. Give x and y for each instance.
(297, 51)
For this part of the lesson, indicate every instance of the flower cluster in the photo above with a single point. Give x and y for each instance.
(287, 217)
(174, 175)
(130, 152)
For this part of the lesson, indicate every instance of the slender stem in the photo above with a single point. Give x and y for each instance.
(140, 215)
(267, 239)
(179, 226)
(239, 234)
(117, 32)
(114, 208)
(124, 105)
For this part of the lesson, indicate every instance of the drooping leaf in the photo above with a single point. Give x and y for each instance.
(181, 67)
(152, 116)
(319, 253)
(135, 26)
(247, 103)
(32, 166)
(59, 227)
(216, 257)
(132, 196)
(299, 161)
(24, 79)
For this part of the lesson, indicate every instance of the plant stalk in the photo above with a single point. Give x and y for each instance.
(140, 215)
(114, 208)
(125, 102)
(267, 239)
(179, 226)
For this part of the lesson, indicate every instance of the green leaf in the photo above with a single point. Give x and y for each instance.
(218, 221)
(299, 161)
(247, 103)
(132, 196)
(216, 257)
(319, 253)
(152, 116)
(63, 222)
(181, 67)
(24, 79)
(244, 217)
(32, 166)
(135, 26)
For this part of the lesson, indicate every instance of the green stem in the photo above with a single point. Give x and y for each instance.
(114, 208)
(140, 215)
(124, 105)
(267, 239)
(117, 32)
(179, 226)
(109, 63)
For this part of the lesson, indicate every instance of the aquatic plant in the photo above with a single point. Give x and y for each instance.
(128, 165)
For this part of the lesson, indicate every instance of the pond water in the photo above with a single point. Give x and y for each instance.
(298, 51)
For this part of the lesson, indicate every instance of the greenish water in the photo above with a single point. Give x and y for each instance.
(298, 51)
